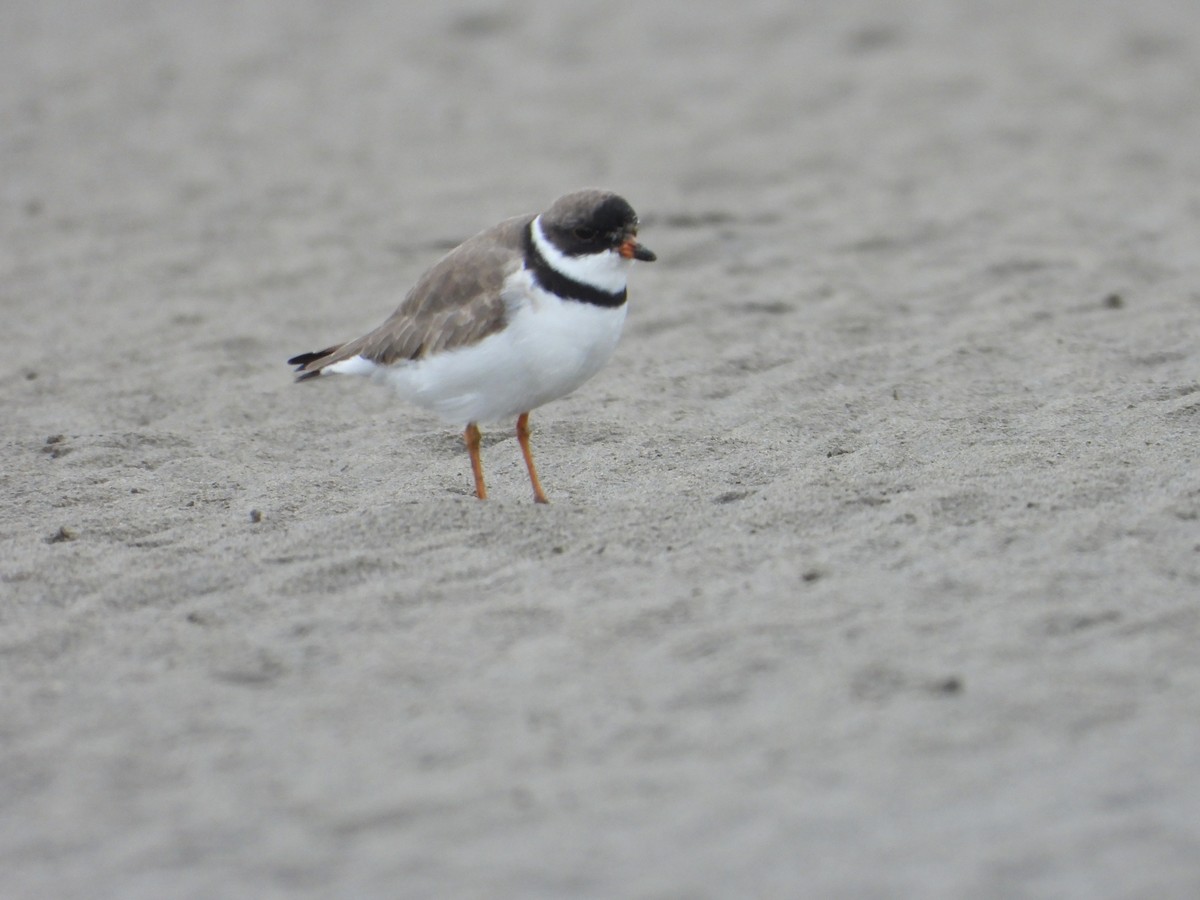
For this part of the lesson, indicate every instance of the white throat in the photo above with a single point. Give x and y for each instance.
(606, 271)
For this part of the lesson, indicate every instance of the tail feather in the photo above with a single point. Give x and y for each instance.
(309, 364)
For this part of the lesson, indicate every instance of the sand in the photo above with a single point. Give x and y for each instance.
(873, 561)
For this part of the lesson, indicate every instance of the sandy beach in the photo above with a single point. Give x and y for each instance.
(872, 562)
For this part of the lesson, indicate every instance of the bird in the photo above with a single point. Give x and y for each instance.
(521, 314)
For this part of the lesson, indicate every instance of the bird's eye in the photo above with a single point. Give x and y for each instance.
(585, 234)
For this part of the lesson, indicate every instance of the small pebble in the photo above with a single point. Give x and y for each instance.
(63, 534)
(950, 685)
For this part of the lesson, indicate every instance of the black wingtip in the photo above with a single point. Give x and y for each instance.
(304, 360)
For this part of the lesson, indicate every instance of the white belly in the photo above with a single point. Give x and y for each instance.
(549, 348)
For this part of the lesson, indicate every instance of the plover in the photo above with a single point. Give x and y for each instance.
(519, 315)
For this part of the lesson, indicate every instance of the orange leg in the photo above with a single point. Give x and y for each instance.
(472, 438)
(539, 496)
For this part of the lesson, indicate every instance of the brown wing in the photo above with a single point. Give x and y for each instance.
(456, 303)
